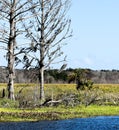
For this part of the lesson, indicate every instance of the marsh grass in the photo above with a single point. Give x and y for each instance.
(107, 88)
(51, 113)
(106, 94)
(106, 102)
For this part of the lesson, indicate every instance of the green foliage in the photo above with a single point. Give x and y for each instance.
(56, 113)
(79, 76)
(87, 84)
(62, 76)
(7, 103)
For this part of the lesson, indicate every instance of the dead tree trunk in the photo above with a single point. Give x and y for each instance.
(11, 45)
(41, 79)
(42, 50)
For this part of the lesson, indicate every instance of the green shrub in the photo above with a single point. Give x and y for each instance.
(7, 103)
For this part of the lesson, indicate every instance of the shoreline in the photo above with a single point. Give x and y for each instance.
(56, 113)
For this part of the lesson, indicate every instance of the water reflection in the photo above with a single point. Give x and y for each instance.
(95, 123)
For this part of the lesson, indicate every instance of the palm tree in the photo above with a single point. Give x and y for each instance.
(79, 77)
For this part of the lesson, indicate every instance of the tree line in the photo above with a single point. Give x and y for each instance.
(53, 76)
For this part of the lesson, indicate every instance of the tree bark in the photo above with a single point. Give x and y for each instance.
(11, 72)
(42, 50)
(11, 45)
(42, 95)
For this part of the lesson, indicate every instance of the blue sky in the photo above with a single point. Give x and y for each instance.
(95, 41)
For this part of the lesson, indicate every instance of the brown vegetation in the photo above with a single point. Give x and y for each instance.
(53, 76)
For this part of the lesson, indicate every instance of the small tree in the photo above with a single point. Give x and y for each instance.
(49, 29)
(11, 13)
(79, 76)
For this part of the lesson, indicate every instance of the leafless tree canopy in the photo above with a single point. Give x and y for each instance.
(48, 30)
(43, 23)
(11, 13)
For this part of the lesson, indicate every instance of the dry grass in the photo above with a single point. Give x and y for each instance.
(107, 96)
(107, 93)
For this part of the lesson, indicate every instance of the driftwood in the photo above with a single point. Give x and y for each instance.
(51, 102)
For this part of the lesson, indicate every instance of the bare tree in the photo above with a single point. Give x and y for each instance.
(47, 32)
(11, 13)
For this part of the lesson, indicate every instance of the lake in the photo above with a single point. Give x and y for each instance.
(94, 123)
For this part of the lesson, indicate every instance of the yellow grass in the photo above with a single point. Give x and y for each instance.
(62, 88)
(107, 91)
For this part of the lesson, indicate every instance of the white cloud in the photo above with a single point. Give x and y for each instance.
(88, 61)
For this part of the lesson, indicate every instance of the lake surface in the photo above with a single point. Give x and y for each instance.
(95, 123)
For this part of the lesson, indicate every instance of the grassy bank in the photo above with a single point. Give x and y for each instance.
(105, 99)
(52, 113)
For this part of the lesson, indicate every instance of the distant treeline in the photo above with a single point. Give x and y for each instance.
(54, 76)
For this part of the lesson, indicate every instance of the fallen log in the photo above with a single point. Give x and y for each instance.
(51, 102)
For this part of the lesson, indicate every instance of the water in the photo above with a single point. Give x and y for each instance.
(95, 123)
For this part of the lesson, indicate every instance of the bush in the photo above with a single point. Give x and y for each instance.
(7, 103)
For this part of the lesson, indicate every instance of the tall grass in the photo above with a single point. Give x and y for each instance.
(61, 89)
(106, 94)
(106, 103)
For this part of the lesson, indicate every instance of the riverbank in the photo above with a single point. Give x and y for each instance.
(56, 113)
(101, 100)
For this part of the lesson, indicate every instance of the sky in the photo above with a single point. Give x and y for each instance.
(95, 41)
